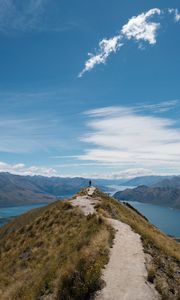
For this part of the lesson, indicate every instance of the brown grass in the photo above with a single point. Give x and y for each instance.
(54, 252)
(164, 267)
(57, 253)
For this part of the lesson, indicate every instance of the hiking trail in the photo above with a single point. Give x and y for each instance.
(125, 275)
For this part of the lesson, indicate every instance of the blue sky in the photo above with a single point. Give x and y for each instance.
(114, 114)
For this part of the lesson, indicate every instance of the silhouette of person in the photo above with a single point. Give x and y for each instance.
(89, 183)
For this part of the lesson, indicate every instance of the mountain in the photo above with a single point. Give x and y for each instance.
(58, 186)
(163, 196)
(20, 190)
(173, 182)
(145, 180)
(58, 252)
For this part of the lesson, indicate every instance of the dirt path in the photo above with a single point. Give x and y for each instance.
(86, 203)
(125, 274)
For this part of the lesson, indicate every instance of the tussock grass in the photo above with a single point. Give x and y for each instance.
(163, 252)
(54, 252)
(57, 253)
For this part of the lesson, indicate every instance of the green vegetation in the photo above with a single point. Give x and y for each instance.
(54, 252)
(163, 253)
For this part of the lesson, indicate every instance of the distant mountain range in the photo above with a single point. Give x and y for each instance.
(21, 190)
(141, 180)
(145, 180)
(171, 182)
(165, 193)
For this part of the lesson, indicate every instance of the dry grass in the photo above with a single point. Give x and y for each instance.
(57, 253)
(54, 252)
(164, 266)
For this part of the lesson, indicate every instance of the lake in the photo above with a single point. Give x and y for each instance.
(165, 218)
(7, 213)
(116, 188)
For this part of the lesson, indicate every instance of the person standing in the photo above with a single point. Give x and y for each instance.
(90, 183)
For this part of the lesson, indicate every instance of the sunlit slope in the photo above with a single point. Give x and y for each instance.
(56, 252)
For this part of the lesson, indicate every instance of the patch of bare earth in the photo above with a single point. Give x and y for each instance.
(125, 275)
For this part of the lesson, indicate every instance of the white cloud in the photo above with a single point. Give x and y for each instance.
(140, 28)
(132, 139)
(106, 111)
(139, 107)
(21, 169)
(126, 174)
(176, 13)
(106, 47)
(159, 107)
(177, 16)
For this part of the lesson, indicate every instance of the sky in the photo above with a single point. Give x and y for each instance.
(90, 89)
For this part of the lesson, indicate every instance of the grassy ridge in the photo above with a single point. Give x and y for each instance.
(54, 252)
(57, 253)
(163, 253)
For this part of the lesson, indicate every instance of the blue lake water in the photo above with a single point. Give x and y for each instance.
(165, 218)
(6, 213)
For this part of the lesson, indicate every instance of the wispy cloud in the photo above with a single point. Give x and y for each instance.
(132, 139)
(175, 12)
(126, 174)
(156, 108)
(177, 16)
(21, 15)
(106, 47)
(22, 169)
(19, 135)
(140, 28)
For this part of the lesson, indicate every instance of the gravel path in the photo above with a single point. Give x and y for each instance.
(86, 203)
(125, 274)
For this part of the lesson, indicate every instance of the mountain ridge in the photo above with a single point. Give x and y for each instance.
(163, 196)
(22, 190)
(145, 180)
(58, 252)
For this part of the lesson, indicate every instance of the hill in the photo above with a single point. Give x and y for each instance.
(58, 252)
(145, 180)
(20, 190)
(173, 183)
(164, 196)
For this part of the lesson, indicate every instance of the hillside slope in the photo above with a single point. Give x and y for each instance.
(164, 196)
(145, 180)
(173, 182)
(21, 190)
(58, 252)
